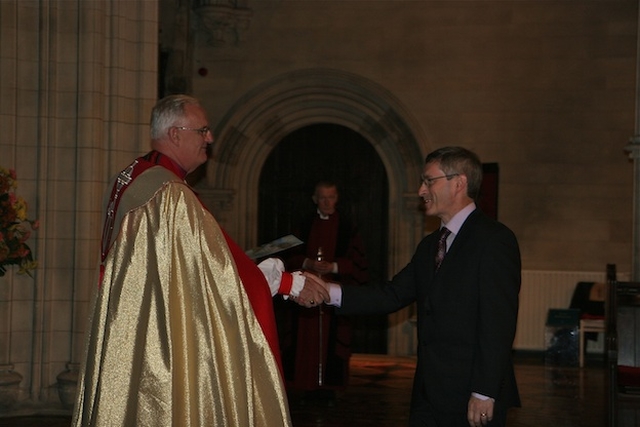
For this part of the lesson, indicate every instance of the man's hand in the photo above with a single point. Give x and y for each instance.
(479, 412)
(314, 292)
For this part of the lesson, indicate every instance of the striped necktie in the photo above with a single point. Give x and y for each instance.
(442, 246)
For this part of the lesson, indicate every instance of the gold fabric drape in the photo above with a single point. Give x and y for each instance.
(173, 340)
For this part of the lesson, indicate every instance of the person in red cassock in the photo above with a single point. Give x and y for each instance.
(316, 343)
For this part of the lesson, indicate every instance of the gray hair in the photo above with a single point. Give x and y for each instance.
(167, 111)
(461, 161)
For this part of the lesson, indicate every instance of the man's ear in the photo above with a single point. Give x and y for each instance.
(174, 135)
(461, 183)
(315, 199)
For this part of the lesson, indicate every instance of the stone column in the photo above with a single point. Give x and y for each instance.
(9, 387)
(9, 379)
(116, 89)
(634, 153)
(78, 83)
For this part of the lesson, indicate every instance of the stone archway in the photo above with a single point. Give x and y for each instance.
(260, 119)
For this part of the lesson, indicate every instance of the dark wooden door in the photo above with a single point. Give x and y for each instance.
(335, 153)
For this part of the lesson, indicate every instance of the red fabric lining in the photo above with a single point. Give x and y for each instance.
(259, 295)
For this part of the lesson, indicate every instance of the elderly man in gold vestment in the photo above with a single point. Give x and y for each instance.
(182, 331)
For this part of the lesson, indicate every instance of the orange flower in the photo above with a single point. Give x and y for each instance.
(15, 227)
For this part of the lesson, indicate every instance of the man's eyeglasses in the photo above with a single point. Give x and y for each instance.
(430, 181)
(203, 131)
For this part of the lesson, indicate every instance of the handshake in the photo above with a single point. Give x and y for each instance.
(306, 288)
(314, 293)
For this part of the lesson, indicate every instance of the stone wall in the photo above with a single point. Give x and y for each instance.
(545, 89)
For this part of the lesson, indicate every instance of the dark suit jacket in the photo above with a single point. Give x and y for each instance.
(467, 314)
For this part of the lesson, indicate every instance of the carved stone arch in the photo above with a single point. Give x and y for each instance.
(264, 116)
(259, 120)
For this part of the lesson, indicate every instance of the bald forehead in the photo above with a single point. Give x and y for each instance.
(325, 188)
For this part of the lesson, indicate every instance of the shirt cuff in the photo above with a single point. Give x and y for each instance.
(335, 294)
(279, 280)
(481, 396)
(297, 285)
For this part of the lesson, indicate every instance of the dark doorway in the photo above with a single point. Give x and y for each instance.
(335, 153)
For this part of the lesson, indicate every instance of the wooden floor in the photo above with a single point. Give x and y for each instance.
(378, 396)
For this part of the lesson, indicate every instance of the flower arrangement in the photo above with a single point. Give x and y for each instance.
(15, 228)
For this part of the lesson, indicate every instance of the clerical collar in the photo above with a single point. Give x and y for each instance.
(321, 215)
(165, 161)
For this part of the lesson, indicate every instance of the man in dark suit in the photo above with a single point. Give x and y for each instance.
(467, 306)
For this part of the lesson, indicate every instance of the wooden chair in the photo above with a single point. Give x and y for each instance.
(590, 298)
(589, 325)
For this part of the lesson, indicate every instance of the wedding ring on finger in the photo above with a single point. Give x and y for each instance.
(483, 415)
